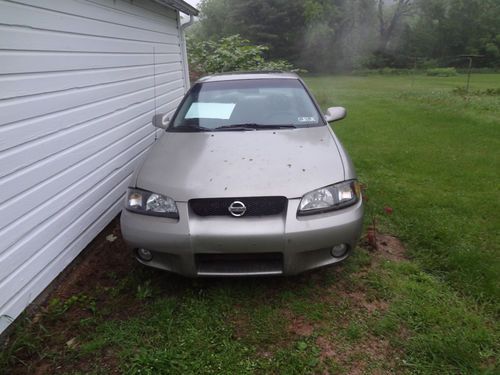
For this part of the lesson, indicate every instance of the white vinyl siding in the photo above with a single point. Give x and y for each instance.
(79, 83)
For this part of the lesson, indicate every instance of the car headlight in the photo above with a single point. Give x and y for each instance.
(330, 198)
(148, 203)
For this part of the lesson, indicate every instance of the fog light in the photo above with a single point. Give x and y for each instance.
(338, 251)
(144, 254)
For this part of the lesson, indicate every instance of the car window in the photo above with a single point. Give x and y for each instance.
(260, 102)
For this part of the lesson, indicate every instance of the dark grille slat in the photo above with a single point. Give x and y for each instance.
(239, 264)
(256, 206)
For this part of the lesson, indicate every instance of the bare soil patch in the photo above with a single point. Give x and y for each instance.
(384, 246)
(97, 270)
(391, 248)
(357, 357)
(240, 322)
(104, 264)
(101, 264)
(358, 298)
(299, 326)
(327, 348)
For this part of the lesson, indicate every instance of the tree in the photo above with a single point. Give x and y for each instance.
(277, 24)
(229, 54)
(388, 23)
(443, 30)
(319, 35)
(339, 35)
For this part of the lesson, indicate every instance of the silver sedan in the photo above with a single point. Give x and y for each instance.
(247, 179)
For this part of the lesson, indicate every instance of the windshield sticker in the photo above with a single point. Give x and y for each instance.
(220, 111)
(306, 119)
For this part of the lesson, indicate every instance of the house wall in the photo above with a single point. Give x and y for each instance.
(79, 83)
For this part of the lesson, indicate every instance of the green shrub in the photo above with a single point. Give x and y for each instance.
(427, 64)
(479, 70)
(390, 71)
(384, 71)
(229, 54)
(441, 72)
(362, 72)
(486, 92)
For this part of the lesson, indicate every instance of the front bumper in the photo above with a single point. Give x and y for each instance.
(304, 242)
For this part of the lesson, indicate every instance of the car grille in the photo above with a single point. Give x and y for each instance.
(239, 264)
(255, 206)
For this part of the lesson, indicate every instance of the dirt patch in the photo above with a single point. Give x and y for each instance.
(301, 327)
(360, 355)
(359, 298)
(384, 245)
(355, 358)
(102, 263)
(79, 293)
(391, 247)
(42, 369)
(240, 323)
(375, 347)
(297, 324)
(106, 263)
(326, 347)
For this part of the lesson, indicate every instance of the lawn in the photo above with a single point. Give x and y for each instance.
(429, 160)
(434, 157)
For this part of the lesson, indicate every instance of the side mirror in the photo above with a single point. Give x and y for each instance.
(335, 114)
(161, 120)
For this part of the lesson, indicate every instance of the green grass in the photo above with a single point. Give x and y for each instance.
(426, 152)
(434, 158)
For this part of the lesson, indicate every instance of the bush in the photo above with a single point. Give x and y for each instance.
(364, 72)
(478, 70)
(428, 64)
(229, 54)
(462, 91)
(441, 72)
(395, 72)
(384, 71)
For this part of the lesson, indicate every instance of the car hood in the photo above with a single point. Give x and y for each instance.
(287, 162)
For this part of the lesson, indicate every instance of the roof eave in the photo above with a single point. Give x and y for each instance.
(179, 5)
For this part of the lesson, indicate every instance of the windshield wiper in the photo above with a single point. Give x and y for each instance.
(253, 126)
(190, 128)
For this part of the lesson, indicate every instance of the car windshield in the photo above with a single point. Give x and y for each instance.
(255, 104)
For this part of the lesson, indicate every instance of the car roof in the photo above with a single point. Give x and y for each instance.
(233, 76)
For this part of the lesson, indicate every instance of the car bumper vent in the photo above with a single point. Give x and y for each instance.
(256, 264)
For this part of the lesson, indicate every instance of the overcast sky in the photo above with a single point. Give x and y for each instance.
(193, 2)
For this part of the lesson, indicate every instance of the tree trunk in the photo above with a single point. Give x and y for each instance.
(388, 27)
